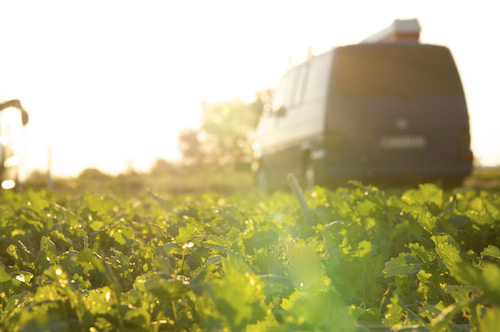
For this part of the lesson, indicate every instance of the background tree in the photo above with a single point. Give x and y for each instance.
(189, 144)
(227, 128)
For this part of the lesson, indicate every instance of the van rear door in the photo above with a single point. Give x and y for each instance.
(400, 108)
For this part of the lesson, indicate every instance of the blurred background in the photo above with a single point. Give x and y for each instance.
(123, 86)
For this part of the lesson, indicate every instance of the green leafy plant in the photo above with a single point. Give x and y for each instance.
(353, 259)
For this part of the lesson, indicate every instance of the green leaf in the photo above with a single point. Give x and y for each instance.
(431, 194)
(448, 250)
(491, 251)
(237, 297)
(365, 208)
(227, 216)
(492, 209)
(37, 202)
(121, 264)
(5, 282)
(365, 249)
(305, 266)
(233, 235)
(317, 311)
(430, 311)
(47, 293)
(288, 303)
(167, 249)
(480, 218)
(218, 240)
(402, 265)
(96, 203)
(215, 247)
(394, 313)
(213, 260)
(490, 321)
(365, 315)
(422, 253)
(487, 279)
(96, 225)
(164, 265)
(462, 293)
(118, 235)
(277, 285)
(46, 255)
(23, 276)
(87, 256)
(187, 233)
(477, 204)
(48, 247)
(60, 238)
(50, 320)
(99, 301)
(237, 261)
(427, 221)
(427, 193)
(12, 251)
(166, 288)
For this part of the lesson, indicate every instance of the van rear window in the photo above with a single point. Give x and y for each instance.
(395, 70)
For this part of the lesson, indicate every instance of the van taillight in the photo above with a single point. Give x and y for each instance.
(467, 156)
(334, 140)
(465, 139)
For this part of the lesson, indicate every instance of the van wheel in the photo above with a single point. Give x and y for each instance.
(309, 177)
(262, 181)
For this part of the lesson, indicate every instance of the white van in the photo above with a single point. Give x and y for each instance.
(391, 112)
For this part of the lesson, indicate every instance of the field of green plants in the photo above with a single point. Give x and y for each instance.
(353, 259)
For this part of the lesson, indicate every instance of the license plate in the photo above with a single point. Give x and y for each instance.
(403, 142)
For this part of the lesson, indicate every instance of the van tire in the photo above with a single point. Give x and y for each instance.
(262, 181)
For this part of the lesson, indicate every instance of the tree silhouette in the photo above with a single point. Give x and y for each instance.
(227, 128)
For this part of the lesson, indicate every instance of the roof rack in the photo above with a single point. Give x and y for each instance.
(399, 30)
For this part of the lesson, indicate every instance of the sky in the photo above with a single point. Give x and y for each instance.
(110, 84)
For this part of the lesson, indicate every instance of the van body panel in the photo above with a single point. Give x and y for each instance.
(370, 121)
(295, 124)
(296, 133)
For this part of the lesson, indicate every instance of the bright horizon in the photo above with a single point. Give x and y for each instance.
(110, 84)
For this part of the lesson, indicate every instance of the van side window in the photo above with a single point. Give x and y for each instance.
(299, 84)
(290, 88)
(279, 94)
(317, 80)
(286, 93)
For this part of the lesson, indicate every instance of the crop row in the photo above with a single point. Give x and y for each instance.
(354, 259)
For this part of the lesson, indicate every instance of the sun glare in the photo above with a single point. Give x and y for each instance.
(8, 184)
(117, 91)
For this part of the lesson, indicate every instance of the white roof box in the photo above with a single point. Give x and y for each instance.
(399, 30)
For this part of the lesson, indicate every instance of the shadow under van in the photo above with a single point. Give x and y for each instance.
(390, 113)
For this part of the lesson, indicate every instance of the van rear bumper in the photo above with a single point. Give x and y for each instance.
(332, 172)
